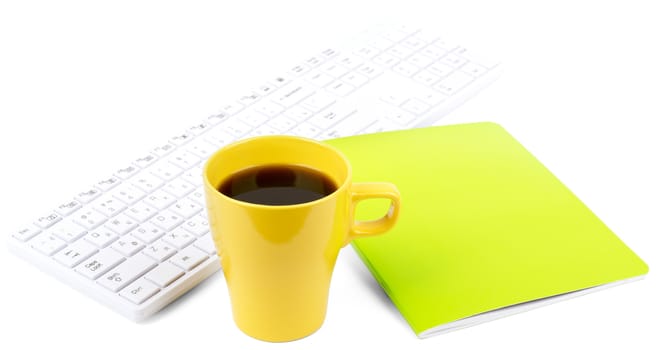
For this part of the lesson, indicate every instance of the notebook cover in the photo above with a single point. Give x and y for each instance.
(483, 225)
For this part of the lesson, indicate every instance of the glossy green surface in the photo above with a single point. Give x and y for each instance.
(484, 225)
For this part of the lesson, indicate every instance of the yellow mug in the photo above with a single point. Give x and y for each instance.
(278, 259)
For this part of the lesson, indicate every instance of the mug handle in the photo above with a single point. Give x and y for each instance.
(369, 190)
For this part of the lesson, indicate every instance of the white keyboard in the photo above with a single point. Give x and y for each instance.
(139, 239)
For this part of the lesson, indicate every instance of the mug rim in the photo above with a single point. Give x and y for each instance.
(340, 187)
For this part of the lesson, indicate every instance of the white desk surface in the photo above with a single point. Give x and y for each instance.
(85, 87)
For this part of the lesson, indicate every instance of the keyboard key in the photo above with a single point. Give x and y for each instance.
(235, 128)
(165, 170)
(128, 194)
(179, 187)
(179, 238)
(164, 149)
(265, 89)
(406, 69)
(400, 51)
(47, 220)
(298, 113)
(414, 43)
(68, 230)
(201, 148)
(353, 125)
(197, 225)
(386, 60)
(147, 182)
(349, 61)
(109, 206)
(127, 172)
(319, 79)
(395, 99)
(183, 159)
(189, 258)
(87, 196)
(453, 60)
(330, 117)
(141, 212)
(199, 128)
(193, 176)
(394, 35)
(218, 138)
(444, 44)
(99, 263)
(264, 130)
(159, 199)
(164, 274)
(367, 52)
(145, 161)
(127, 272)
(453, 83)
(26, 233)
(147, 232)
(299, 69)
(198, 195)
(340, 88)
(167, 220)
(254, 118)
(415, 106)
(75, 253)
(355, 79)
(206, 244)
(181, 139)
(67, 208)
(107, 184)
(380, 43)
(269, 109)
(426, 36)
(426, 78)
(474, 69)
(121, 224)
(282, 123)
(369, 71)
(329, 53)
(475, 57)
(333, 69)
(139, 291)
(433, 52)
(314, 61)
(280, 81)
(420, 60)
(431, 97)
(408, 29)
(292, 94)
(101, 237)
(186, 208)
(159, 250)
(88, 218)
(306, 130)
(47, 243)
(127, 245)
(440, 69)
(318, 101)
(399, 117)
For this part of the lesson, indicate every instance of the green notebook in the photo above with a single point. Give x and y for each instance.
(485, 230)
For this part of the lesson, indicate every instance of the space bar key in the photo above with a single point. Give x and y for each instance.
(291, 94)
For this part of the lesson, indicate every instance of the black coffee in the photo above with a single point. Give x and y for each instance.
(278, 185)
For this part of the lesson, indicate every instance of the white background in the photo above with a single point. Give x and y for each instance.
(86, 86)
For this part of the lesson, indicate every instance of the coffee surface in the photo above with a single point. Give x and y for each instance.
(277, 185)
